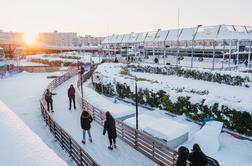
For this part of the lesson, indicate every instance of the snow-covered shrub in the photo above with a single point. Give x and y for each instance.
(194, 74)
(236, 120)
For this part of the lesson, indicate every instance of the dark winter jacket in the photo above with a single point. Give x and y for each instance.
(48, 96)
(197, 159)
(86, 119)
(71, 92)
(110, 127)
(183, 153)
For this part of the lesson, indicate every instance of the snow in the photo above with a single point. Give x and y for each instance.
(20, 145)
(117, 110)
(143, 121)
(232, 151)
(124, 155)
(169, 131)
(22, 92)
(236, 97)
(84, 57)
(208, 137)
(22, 62)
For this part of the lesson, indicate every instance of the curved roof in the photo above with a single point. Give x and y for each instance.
(218, 32)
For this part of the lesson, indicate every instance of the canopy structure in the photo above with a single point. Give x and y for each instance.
(199, 33)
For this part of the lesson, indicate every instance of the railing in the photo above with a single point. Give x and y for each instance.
(68, 143)
(144, 143)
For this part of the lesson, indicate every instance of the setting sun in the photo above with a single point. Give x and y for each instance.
(30, 38)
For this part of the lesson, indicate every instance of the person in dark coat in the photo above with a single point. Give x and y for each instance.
(49, 100)
(156, 60)
(109, 126)
(86, 120)
(71, 96)
(246, 63)
(197, 157)
(183, 153)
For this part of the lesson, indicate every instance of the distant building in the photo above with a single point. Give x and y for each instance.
(14, 38)
(57, 38)
(89, 40)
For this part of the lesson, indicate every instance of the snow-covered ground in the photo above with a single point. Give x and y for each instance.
(232, 151)
(232, 96)
(20, 145)
(22, 62)
(84, 57)
(124, 155)
(22, 92)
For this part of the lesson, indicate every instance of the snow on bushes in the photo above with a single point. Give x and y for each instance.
(235, 120)
(195, 104)
(195, 74)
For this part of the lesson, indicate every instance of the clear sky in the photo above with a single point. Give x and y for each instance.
(103, 17)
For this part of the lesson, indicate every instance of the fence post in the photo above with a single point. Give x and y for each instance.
(70, 142)
(61, 138)
(174, 158)
(136, 139)
(81, 157)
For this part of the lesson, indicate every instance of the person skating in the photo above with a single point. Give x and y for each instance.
(71, 96)
(86, 120)
(197, 157)
(109, 126)
(183, 153)
(49, 100)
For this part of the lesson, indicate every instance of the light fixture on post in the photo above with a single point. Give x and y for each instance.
(136, 98)
(192, 51)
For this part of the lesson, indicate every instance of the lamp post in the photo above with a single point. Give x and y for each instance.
(136, 96)
(81, 75)
(194, 35)
(249, 56)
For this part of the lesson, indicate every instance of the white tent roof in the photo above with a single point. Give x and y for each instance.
(117, 39)
(126, 38)
(133, 37)
(187, 34)
(141, 37)
(218, 32)
(173, 35)
(150, 36)
(161, 35)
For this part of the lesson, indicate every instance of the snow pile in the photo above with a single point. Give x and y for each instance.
(20, 146)
(169, 130)
(143, 121)
(208, 137)
(174, 133)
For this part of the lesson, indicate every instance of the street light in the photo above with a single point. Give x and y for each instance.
(194, 35)
(82, 70)
(136, 96)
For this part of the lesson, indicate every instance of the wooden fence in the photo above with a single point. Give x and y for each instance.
(65, 140)
(146, 144)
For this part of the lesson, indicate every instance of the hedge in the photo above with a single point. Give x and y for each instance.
(194, 74)
(54, 63)
(235, 120)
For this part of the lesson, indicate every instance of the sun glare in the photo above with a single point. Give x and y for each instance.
(30, 38)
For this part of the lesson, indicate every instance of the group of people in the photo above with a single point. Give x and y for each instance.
(195, 158)
(86, 119)
(49, 100)
(109, 127)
